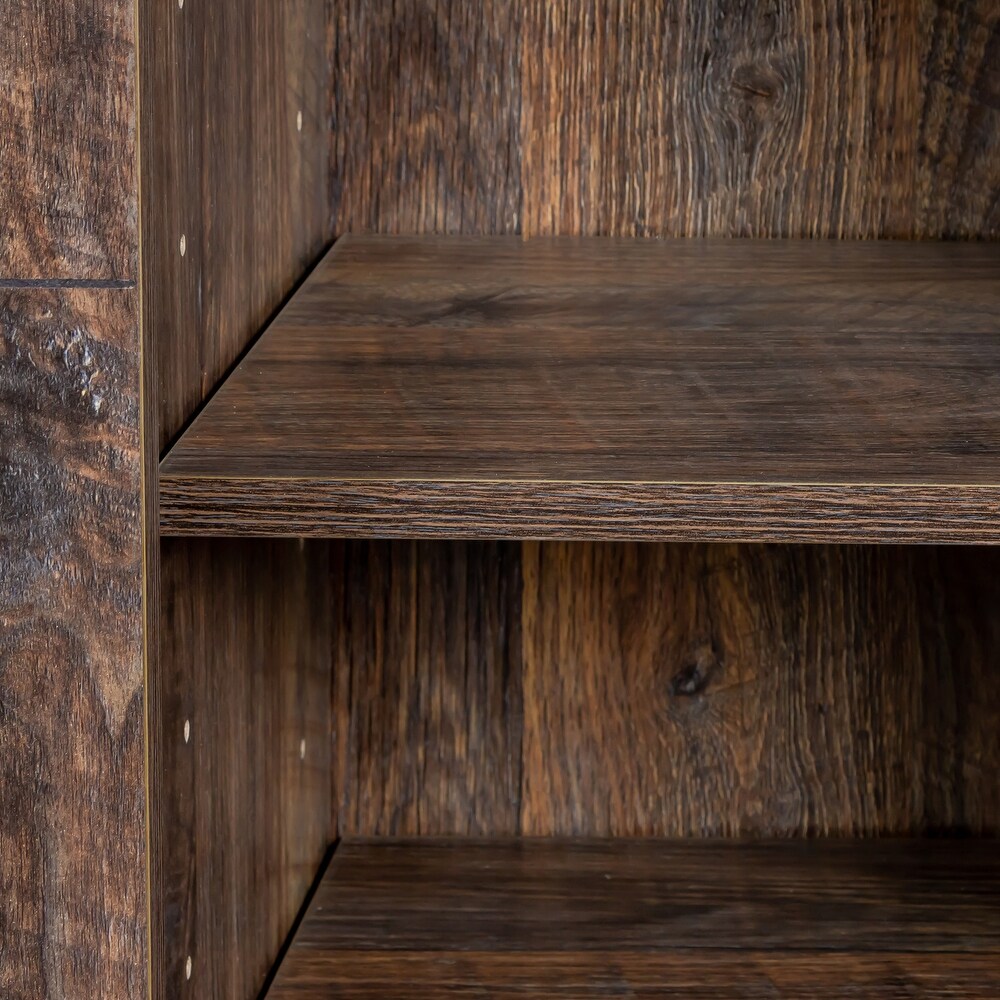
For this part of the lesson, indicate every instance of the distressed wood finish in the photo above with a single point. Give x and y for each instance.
(245, 635)
(648, 918)
(567, 388)
(242, 818)
(662, 118)
(72, 804)
(226, 168)
(426, 106)
(727, 690)
(427, 699)
(665, 690)
(68, 203)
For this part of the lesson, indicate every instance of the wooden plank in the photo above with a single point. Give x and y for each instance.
(227, 169)
(73, 903)
(235, 120)
(241, 816)
(426, 117)
(958, 170)
(68, 202)
(664, 118)
(727, 975)
(727, 690)
(490, 387)
(747, 907)
(427, 701)
(701, 118)
(665, 690)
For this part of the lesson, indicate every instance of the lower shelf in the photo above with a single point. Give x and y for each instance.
(823, 919)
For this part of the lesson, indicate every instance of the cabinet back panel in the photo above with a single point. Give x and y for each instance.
(667, 117)
(671, 690)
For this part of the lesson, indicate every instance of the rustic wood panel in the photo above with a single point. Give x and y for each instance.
(426, 117)
(698, 118)
(73, 907)
(679, 690)
(654, 117)
(427, 699)
(649, 919)
(227, 169)
(958, 175)
(68, 204)
(235, 124)
(665, 690)
(241, 816)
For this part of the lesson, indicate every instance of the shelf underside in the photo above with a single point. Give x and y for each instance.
(490, 387)
(824, 919)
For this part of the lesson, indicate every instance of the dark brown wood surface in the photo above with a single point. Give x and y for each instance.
(73, 906)
(665, 690)
(68, 199)
(240, 823)
(491, 387)
(667, 117)
(242, 800)
(226, 168)
(730, 975)
(620, 905)
(726, 690)
(427, 688)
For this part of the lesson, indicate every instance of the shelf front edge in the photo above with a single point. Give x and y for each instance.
(332, 508)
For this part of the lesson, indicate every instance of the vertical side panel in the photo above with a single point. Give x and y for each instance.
(243, 805)
(235, 137)
(427, 696)
(228, 171)
(68, 200)
(73, 902)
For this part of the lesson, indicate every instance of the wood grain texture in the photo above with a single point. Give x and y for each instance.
(727, 690)
(226, 167)
(665, 690)
(499, 388)
(240, 823)
(68, 201)
(426, 693)
(73, 904)
(632, 902)
(425, 117)
(729, 975)
(241, 817)
(867, 118)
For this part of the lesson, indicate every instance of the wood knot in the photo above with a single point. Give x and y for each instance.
(757, 83)
(696, 674)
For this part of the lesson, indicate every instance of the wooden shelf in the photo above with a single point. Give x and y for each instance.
(474, 387)
(823, 919)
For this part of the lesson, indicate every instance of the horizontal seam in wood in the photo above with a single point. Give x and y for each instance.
(99, 283)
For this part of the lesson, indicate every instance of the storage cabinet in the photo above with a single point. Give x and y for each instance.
(500, 499)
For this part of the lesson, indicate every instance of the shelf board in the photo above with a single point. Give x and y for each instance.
(691, 389)
(691, 919)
